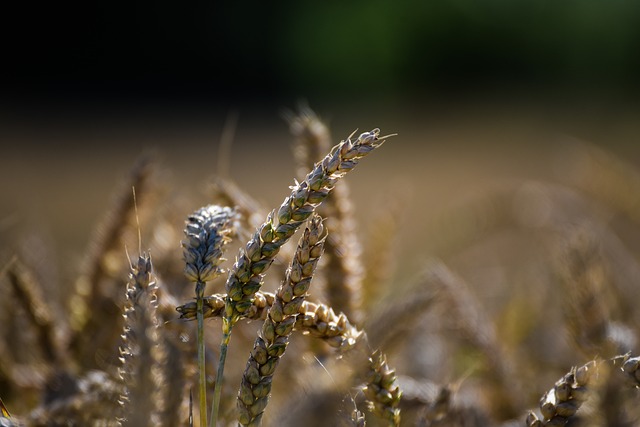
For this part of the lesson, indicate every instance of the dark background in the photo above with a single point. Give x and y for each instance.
(182, 54)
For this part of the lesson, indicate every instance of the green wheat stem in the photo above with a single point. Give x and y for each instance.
(227, 325)
(202, 380)
(207, 232)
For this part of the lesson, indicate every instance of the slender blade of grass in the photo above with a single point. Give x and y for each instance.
(217, 391)
(202, 379)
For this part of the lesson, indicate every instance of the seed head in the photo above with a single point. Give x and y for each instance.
(207, 232)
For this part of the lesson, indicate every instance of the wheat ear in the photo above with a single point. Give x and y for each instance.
(207, 233)
(140, 353)
(342, 267)
(273, 339)
(245, 278)
(30, 294)
(382, 389)
(563, 401)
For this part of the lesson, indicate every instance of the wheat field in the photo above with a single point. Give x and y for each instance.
(470, 271)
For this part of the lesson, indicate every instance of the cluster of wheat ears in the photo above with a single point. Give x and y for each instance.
(106, 354)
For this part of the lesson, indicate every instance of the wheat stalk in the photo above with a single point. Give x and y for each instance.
(207, 233)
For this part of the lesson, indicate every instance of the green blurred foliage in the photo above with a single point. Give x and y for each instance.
(329, 48)
(403, 46)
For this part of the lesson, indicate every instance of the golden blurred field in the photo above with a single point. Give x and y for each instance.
(500, 194)
(58, 176)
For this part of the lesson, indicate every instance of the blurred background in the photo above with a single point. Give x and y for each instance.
(223, 54)
(479, 92)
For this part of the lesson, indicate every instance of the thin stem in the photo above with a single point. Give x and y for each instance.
(202, 380)
(227, 325)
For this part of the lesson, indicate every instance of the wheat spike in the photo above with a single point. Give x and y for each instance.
(272, 341)
(382, 390)
(207, 232)
(246, 276)
(342, 268)
(567, 396)
(141, 354)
